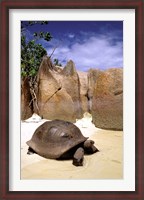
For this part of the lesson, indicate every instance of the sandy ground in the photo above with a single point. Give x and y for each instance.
(105, 164)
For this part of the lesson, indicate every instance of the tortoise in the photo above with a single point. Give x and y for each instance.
(58, 139)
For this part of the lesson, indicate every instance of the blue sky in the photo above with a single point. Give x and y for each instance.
(90, 44)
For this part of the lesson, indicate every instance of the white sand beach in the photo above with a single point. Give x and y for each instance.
(105, 164)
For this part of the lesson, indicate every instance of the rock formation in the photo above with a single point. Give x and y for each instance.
(83, 91)
(107, 104)
(58, 92)
(92, 78)
(70, 81)
(26, 105)
(65, 94)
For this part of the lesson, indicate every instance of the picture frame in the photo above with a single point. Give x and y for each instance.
(5, 103)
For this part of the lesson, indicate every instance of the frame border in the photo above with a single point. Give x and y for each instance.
(5, 5)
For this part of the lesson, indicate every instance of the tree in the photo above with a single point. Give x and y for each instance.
(31, 51)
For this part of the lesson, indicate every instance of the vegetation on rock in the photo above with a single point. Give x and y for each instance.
(32, 53)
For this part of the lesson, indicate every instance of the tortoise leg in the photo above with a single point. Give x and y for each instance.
(78, 157)
(89, 147)
(30, 151)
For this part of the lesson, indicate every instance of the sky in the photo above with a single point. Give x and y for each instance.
(90, 44)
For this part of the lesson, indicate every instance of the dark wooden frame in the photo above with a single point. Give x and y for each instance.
(138, 5)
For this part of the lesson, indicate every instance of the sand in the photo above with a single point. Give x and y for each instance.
(105, 164)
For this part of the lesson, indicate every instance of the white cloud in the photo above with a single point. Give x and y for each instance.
(71, 35)
(94, 52)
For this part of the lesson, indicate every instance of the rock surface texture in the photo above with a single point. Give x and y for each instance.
(26, 106)
(84, 91)
(92, 76)
(107, 104)
(59, 92)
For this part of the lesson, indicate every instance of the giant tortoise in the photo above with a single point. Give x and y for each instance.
(58, 139)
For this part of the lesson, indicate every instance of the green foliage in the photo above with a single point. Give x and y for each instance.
(31, 52)
(46, 36)
(56, 62)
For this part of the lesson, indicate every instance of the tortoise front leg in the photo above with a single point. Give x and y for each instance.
(78, 157)
(89, 147)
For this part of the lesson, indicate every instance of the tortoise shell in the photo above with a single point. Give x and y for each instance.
(54, 138)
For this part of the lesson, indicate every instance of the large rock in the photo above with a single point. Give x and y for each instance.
(107, 104)
(70, 81)
(83, 91)
(26, 100)
(58, 92)
(93, 75)
(59, 106)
